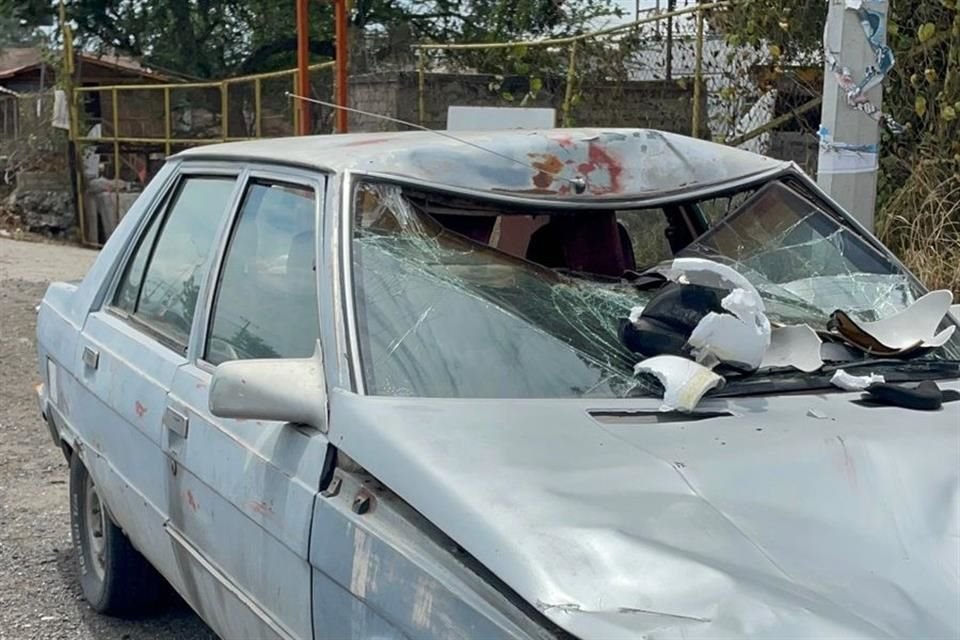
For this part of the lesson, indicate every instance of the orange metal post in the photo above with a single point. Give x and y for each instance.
(303, 64)
(340, 17)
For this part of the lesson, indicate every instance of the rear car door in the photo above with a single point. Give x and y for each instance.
(130, 349)
(242, 491)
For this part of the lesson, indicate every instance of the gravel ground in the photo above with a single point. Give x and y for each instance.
(39, 593)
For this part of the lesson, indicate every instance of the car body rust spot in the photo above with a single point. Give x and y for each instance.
(547, 166)
(260, 507)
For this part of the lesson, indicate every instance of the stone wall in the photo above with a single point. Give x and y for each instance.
(43, 201)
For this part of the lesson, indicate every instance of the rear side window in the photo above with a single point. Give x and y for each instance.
(266, 300)
(161, 283)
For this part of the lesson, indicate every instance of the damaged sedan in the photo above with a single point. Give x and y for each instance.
(555, 384)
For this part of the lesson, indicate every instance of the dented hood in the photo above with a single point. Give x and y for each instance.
(801, 516)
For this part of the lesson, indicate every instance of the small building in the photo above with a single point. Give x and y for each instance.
(32, 69)
(33, 154)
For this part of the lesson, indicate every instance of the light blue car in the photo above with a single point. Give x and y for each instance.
(379, 386)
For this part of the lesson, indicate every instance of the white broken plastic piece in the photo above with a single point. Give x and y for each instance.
(684, 381)
(635, 314)
(740, 339)
(915, 325)
(848, 382)
(705, 273)
(796, 346)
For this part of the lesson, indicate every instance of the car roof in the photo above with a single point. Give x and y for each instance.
(563, 164)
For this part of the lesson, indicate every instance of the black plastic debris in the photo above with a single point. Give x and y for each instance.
(669, 318)
(926, 396)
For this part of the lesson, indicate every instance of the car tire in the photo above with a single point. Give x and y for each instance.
(114, 577)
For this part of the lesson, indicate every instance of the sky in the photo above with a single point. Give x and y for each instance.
(630, 6)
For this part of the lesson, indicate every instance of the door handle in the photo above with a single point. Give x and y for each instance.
(175, 421)
(91, 357)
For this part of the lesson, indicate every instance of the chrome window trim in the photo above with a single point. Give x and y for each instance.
(339, 325)
(345, 218)
(634, 201)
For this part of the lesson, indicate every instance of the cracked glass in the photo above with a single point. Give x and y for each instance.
(806, 264)
(803, 261)
(441, 315)
(449, 306)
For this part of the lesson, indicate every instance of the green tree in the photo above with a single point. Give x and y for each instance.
(15, 33)
(919, 186)
(214, 38)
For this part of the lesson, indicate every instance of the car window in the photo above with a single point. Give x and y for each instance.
(266, 300)
(129, 289)
(717, 208)
(646, 230)
(162, 279)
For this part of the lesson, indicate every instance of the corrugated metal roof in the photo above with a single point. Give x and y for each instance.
(14, 60)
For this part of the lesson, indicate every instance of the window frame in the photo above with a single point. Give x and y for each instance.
(203, 318)
(159, 210)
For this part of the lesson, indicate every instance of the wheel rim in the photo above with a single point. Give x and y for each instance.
(96, 521)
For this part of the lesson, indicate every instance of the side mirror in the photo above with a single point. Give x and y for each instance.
(288, 390)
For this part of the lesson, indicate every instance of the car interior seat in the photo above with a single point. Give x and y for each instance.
(590, 242)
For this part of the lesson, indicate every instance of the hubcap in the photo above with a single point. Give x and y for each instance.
(96, 521)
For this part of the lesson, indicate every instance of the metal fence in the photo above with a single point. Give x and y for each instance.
(130, 129)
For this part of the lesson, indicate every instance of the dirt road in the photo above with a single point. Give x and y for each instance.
(39, 593)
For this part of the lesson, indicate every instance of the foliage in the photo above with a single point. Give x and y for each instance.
(918, 213)
(215, 38)
(921, 223)
(15, 34)
(33, 144)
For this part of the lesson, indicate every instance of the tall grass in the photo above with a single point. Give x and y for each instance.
(920, 222)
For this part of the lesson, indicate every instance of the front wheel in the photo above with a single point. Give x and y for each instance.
(114, 577)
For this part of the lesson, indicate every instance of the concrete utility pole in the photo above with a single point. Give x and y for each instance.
(848, 161)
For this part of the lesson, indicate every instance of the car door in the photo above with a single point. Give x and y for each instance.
(130, 349)
(242, 492)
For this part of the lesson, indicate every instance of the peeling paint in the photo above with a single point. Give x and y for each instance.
(260, 507)
(548, 167)
(360, 573)
(194, 505)
(422, 605)
(849, 468)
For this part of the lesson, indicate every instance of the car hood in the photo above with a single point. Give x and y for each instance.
(798, 516)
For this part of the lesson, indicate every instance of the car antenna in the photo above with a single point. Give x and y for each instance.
(578, 183)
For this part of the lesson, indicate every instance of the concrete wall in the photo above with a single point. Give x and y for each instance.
(657, 104)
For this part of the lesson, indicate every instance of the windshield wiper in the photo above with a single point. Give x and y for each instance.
(885, 364)
(791, 380)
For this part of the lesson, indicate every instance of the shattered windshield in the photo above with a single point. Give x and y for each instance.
(458, 298)
(803, 262)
